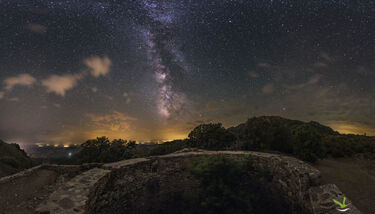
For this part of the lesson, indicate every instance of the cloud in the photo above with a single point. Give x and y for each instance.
(2, 94)
(21, 80)
(127, 97)
(60, 84)
(253, 74)
(264, 65)
(320, 65)
(37, 28)
(99, 65)
(268, 88)
(113, 122)
(94, 89)
(314, 79)
(14, 99)
(326, 57)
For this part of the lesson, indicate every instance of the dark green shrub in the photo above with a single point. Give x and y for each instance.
(230, 186)
(265, 134)
(102, 150)
(211, 136)
(308, 144)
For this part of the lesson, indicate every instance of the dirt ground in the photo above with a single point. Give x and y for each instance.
(355, 177)
(24, 194)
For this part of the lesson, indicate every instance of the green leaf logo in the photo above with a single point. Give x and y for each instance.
(342, 204)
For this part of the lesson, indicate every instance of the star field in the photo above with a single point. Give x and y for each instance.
(153, 69)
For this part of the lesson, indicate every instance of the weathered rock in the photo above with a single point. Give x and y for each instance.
(111, 187)
(73, 195)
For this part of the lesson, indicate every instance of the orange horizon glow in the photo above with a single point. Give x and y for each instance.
(348, 127)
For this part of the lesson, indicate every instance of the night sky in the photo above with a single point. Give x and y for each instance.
(146, 70)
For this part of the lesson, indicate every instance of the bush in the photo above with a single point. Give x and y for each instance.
(265, 134)
(211, 136)
(348, 145)
(102, 150)
(228, 186)
(308, 144)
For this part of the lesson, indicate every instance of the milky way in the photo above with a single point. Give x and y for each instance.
(161, 50)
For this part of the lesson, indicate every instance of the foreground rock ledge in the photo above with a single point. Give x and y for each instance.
(298, 183)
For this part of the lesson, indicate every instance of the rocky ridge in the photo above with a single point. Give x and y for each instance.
(103, 188)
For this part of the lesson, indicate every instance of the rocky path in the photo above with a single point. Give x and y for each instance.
(24, 194)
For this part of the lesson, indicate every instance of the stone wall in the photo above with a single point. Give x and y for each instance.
(112, 188)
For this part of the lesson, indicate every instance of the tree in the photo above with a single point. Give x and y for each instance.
(102, 149)
(308, 144)
(266, 133)
(211, 136)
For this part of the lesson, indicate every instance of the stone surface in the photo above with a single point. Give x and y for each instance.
(113, 186)
(73, 195)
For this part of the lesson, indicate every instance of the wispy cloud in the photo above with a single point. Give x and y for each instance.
(127, 97)
(266, 65)
(14, 99)
(320, 65)
(20, 80)
(326, 57)
(253, 74)
(268, 88)
(100, 66)
(314, 79)
(113, 124)
(37, 28)
(60, 84)
(94, 89)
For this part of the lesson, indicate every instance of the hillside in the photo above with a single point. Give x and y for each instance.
(257, 122)
(12, 159)
(308, 141)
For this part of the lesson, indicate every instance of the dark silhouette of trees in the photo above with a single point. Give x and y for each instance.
(265, 134)
(307, 143)
(103, 150)
(211, 136)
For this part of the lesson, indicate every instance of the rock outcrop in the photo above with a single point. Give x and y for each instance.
(110, 188)
(12, 159)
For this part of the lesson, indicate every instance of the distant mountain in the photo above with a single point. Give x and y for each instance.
(12, 159)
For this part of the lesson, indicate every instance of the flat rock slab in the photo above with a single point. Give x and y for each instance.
(125, 163)
(73, 195)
